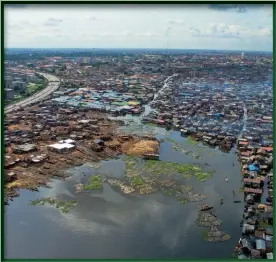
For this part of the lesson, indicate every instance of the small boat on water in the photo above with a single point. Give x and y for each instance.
(151, 156)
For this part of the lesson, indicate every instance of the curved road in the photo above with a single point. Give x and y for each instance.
(53, 85)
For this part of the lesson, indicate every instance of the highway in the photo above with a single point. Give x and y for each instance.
(53, 85)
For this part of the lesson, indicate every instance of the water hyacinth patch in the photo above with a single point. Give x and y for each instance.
(94, 182)
(63, 205)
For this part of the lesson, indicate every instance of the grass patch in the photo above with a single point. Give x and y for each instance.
(264, 224)
(94, 182)
(191, 141)
(62, 205)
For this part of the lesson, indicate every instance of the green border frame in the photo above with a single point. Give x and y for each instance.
(163, 2)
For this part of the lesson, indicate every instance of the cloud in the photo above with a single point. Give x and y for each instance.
(167, 31)
(225, 7)
(217, 31)
(52, 22)
(176, 22)
(92, 18)
(222, 30)
(148, 34)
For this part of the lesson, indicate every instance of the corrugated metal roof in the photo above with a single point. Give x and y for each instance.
(260, 244)
(253, 190)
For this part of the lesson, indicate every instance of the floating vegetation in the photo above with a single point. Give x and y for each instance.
(146, 189)
(194, 197)
(94, 182)
(185, 189)
(211, 154)
(182, 200)
(214, 235)
(204, 234)
(62, 205)
(206, 218)
(127, 189)
(191, 141)
(135, 166)
(203, 176)
(171, 140)
(136, 181)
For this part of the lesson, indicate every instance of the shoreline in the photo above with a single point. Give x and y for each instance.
(118, 153)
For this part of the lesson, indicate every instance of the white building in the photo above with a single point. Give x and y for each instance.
(63, 146)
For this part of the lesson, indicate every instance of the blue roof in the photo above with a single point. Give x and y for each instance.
(253, 168)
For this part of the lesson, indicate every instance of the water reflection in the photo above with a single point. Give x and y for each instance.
(108, 224)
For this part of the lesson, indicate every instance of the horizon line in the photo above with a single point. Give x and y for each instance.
(146, 48)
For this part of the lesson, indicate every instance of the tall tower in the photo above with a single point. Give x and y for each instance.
(242, 55)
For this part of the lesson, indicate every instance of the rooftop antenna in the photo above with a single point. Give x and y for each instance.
(168, 52)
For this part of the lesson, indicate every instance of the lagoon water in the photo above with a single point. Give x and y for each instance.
(109, 224)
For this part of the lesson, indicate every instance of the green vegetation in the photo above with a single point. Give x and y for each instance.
(264, 224)
(204, 234)
(182, 200)
(191, 141)
(94, 182)
(62, 205)
(33, 88)
(135, 166)
(136, 181)
(242, 189)
(168, 192)
(170, 140)
(211, 154)
(203, 176)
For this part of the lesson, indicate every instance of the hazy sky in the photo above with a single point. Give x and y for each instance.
(218, 26)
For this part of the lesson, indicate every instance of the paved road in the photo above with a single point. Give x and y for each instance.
(53, 85)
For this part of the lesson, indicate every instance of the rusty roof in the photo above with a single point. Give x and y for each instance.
(248, 180)
(253, 190)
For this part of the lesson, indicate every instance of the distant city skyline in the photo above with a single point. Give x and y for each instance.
(209, 27)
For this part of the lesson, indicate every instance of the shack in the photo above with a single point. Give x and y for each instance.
(25, 148)
(257, 193)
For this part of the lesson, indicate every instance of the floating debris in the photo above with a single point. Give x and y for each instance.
(207, 219)
(94, 165)
(185, 188)
(193, 197)
(205, 207)
(147, 189)
(214, 235)
(127, 189)
(62, 205)
(79, 187)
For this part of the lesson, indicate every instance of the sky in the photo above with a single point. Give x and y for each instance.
(214, 27)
